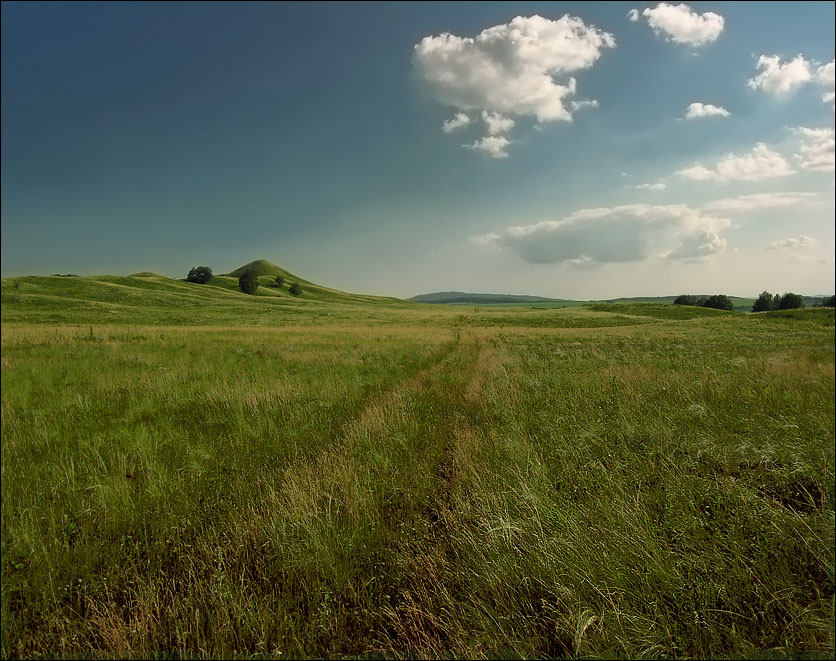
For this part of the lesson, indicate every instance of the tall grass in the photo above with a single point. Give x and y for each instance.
(420, 483)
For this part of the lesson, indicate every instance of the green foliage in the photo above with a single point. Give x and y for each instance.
(279, 281)
(199, 274)
(248, 282)
(295, 289)
(764, 303)
(685, 299)
(830, 302)
(718, 302)
(789, 301)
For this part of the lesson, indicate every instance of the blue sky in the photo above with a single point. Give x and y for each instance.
(161, 136)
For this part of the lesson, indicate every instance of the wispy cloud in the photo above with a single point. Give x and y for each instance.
(496, 146)
(802, 241)
(816, 151)
(760, 201)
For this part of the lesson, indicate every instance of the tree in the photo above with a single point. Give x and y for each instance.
(830, 302)
(685, 299)
(295, 289)
(764, 302)
(199, 274)
(719, 302)
(790, 301)
(248, 282)
(279, 281)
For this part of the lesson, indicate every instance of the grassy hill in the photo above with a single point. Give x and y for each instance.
(151, 298)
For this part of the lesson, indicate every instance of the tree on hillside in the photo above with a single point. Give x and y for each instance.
(719, 302)
(764, 302)
(279, 281)
(248, 282)
(685, 299)
(790, 301)
(199, 274)
(295, 289)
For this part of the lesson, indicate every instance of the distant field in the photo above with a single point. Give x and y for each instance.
(191, 472)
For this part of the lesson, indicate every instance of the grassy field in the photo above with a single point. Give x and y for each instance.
(191, 472)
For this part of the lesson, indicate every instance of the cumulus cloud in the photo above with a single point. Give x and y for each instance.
(758, 201)
(802, 241)
(817, 149)
(458, 121)
(698, 110)
(760, 163)
(626, 233)
(496, 146)
(497, 123)
(780, 79)
(633, 15)
(511, 69)
(682, 25)
(659, 185)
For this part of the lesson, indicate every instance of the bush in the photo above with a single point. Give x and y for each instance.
(718, 302)
(295, 289)
(279, 281)
(764, 302)
(248, 282)
(685, 299)
(829, 303)
(199, 274)
(790, 301)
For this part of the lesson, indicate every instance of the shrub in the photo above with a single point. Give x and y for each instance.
(830, 302)
(295, 289)
(248, 282)
(790, 301)
(718, 302)
(764, 302)
(279, 281)
(685, 299)
(199, 274)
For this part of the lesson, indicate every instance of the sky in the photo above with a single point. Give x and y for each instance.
(573, 150)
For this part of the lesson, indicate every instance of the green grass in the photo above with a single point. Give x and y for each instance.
(207, 474)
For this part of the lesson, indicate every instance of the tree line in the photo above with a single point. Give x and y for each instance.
(247, 282)
(717, 301)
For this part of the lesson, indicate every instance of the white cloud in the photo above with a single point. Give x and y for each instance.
(817, 149)
(583, 103)
(459, 120)
(511, 68)
(495, 146)
(610, 235)
(802, 241)
(659, 185)
(633, 15)
(826, 74)
(497, 123)
(760, 163)
(758, 201)
(698, 110)
(683, 26)
(780, 79)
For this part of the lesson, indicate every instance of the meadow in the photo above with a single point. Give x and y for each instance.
(191, 472)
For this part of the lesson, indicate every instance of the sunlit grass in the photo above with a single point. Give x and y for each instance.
(415, 481)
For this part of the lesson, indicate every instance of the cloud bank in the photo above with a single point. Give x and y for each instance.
(592, 237)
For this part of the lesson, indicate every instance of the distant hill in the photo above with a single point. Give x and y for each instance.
(459, 297)
(462, 298)
(260, 267)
